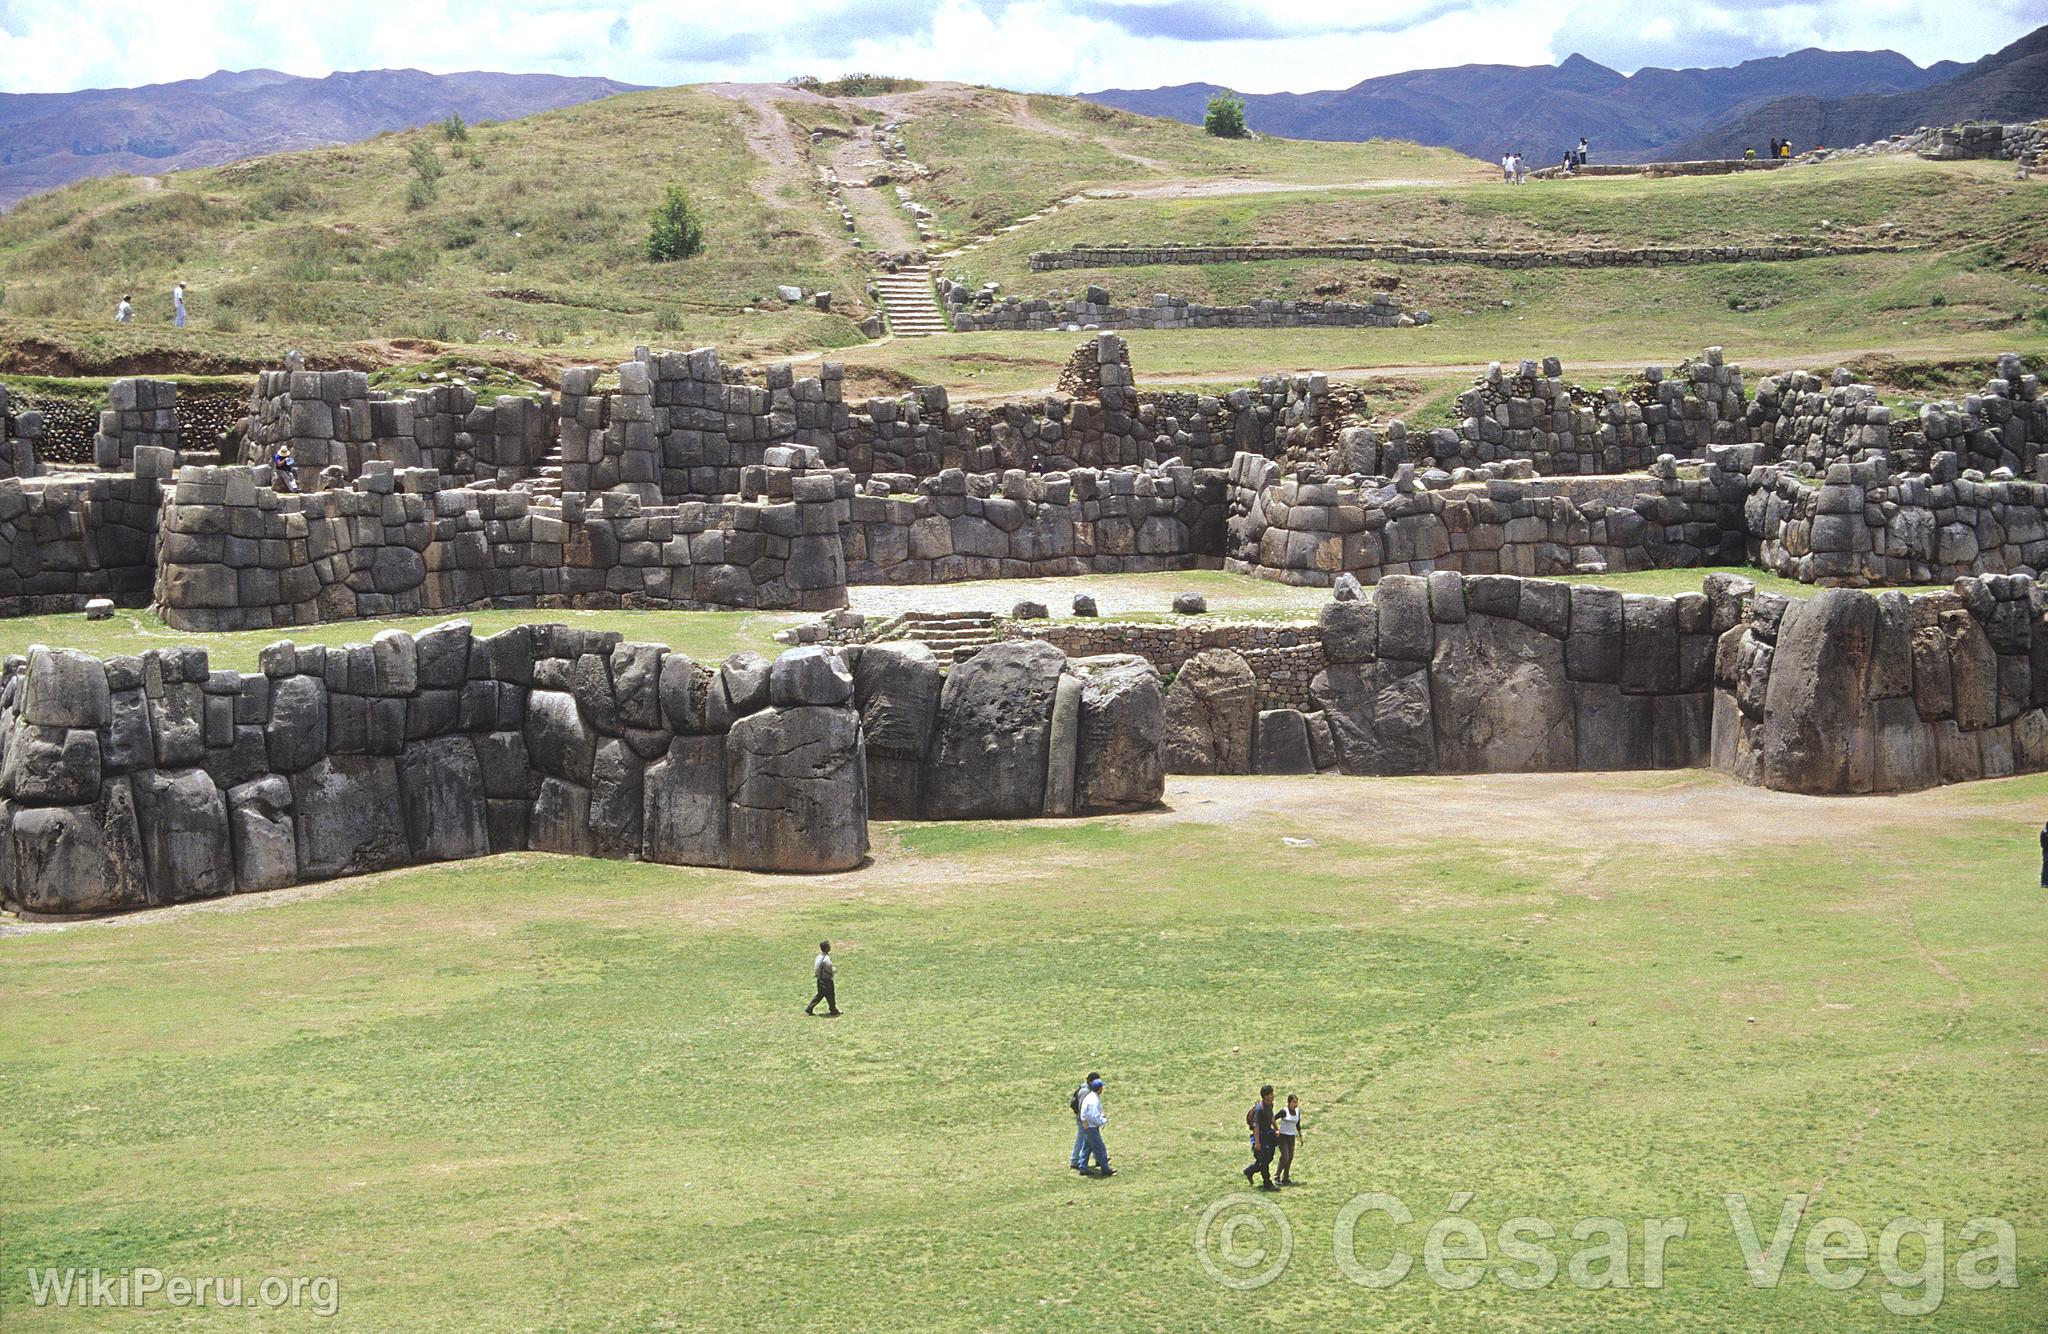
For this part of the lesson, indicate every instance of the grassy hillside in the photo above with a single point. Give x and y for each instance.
(520, 245)
(532, 227)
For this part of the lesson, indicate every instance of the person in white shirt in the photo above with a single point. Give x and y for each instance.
(822, 968)
(1077, 1160)
(1507, 168)
(125, 312)
(1288, 1126)
(1092, 1120)
(178, 305)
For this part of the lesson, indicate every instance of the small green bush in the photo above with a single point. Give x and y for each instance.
(418, 194)
(1937, 300)
(1225, 116)
(454, 128)
(424, 164)
(674, 231)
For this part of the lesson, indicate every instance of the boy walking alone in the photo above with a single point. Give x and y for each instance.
(822, 969)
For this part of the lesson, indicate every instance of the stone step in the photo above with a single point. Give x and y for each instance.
(910, 303)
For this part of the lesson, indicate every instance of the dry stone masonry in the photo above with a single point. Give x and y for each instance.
(1114, 255)
(154, 779)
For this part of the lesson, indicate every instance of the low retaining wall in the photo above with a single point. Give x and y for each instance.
(1857, 692)
(1172, 312)
(238, 555)
(1862, 525)
(149, 780)
(1022, 525)
(1116, 256)
(1308, 529)
(1283, 658)
(1533, 414)
(65, 540)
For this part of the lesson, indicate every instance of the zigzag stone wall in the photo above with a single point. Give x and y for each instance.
(150, 780)
(1851, 691)
(1095, 311)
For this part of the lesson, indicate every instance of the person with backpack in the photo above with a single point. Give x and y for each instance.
(822, 968)
(1078, 1159)
(1260, 1121)
(1288, 1126)
(1093, 1118)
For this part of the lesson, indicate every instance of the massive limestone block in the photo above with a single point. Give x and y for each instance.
(797, 793)
(1210, 713)
(65, 688)
(1500, 700)
(561, 818)
(77, 859)
(558, 739)
(53, 766)
(1282, 743)
(441, 791)
(685, 688)
(615, 800)
(1614, 730)
(296, 735)
(992, 736)
(1378, 715)
(1816, 734)
(346, 808)
(185, 842)
(266, 842)
(128, 743)
(1120, 754)
(636, 671)
(809, 675)
(896, 691)
(1063, 741)
(744, 677)
(683, 804)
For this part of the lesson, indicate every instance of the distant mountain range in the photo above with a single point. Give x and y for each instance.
(47, 139)
(2008, 85)
(1653, 114)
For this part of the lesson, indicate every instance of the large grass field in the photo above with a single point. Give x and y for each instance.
(543, 1093)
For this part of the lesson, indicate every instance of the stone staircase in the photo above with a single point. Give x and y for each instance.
(912, 306)
(952, 636)
(546, 480)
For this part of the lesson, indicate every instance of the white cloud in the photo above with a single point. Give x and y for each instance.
(1057, 45)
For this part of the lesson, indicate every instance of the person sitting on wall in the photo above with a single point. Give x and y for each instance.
(285, 467)
(1749, 155)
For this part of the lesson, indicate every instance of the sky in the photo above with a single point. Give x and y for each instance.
(1254, 46)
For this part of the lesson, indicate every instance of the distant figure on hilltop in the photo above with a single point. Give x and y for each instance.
(178, 305)
(124, 313)
(1507, 168)
(1584, 149)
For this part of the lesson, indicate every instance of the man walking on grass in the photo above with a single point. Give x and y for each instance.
(1079, 1160)
(1092, 1120)
(1260, 1120)
(822, 969)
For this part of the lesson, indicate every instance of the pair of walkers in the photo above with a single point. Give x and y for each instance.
(1089, 1118)
(1274, 1130)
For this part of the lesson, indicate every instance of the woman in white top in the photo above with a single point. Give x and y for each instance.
(1288, 1126)
(125, 312)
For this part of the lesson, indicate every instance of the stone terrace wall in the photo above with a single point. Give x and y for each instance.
(1862, 525)
(683, 427)
(236, 554)
(1308, 529)
(333, 419)
(1801, 419)
(67, 539)
(1283, 658)
(150, 780)
(141, 414)
(1500, 675)
(1857, 692)
(1114, 256)
(1174, 312)
(1563, 429)
(1024, 525)
(21, 435)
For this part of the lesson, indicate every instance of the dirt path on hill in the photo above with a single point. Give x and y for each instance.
(884, 225)
(769, 134)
